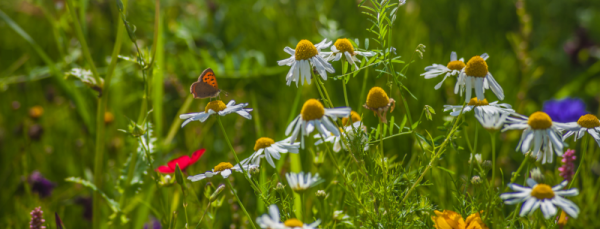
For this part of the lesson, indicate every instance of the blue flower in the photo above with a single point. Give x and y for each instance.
(565, 110)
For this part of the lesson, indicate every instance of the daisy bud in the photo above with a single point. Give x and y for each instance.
(476, 180)
(537, 175)
(321, 194)
(217, 193)
(279, 187)
(254, 170)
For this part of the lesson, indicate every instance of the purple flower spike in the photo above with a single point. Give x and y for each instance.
(37, 219)
(567, 170)
(565, 110)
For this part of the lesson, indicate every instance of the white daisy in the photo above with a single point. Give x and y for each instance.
(303, 57)
(480, 106)
(350, 133)
(217, 107)
(224, 169)
(270, 149)
(491, 121)
(300, 182)
(476, 76)
(586, 123)
(452, 68)
(541, 131)
(542, 196)
(271, 221)
(343, 47)
(314, 115)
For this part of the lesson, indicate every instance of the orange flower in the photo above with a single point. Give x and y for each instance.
(474, 222)
(562, 220)
(448, 220)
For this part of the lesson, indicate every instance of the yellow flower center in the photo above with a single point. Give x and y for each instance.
(539, 120)
(355, 117)
(305, 50)
(223, 166)
(344, 45)
(312, 109)
(216, 106)
(263, 142)
(476, 67)
(293, 223)
(589, 121)
(475, 102)
(542, 191)
(377, 98)
(36, 111)
(456, 65)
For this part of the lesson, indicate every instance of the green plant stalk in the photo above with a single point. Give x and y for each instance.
(516, 174)
(238, 160)
(363, 91)
(344, 68)
(435, 155)
(584, 146)
(240, 202)
(81, 38)
(472, 158)
(320, 84)
(177, 121)
(493, 137)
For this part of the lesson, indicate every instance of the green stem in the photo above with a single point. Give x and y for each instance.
(240, 202)
(363, 91)
(320, 84)
(344, 67)
(81, 38)
(516, 174)
(493, 137)
(472, 158)
(584, 147)
(177, 121)
(435, 155)
(238, 160)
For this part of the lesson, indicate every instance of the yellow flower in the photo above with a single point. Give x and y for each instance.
(448, 220)
(562, 220)
(474, 221)
(379, 102)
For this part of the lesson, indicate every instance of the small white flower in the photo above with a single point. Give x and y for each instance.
(587, 123)
(343, 47)
(451, 69)
(303, 57)
(217, 107)
(481, 106)
(350, 133)
(542, 196)
(476, 76)
(541, 131)
(270, 149)
(271, 221)
(300, 182)
(224, 169)
(491, 121)
(314, 115)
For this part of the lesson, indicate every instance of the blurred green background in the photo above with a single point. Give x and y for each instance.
(539, 50)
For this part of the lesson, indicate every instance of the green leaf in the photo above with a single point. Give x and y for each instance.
(403, 123)
(179, 176)
(392, 126)
(431, 109)
(113, 204)
(414, 125)
(445, 169)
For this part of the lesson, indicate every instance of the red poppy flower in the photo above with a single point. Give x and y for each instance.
(183, 161)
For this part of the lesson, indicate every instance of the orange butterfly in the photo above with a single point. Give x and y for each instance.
(206, 86)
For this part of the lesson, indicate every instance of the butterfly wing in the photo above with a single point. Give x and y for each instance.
(202, 90)
(208, 76)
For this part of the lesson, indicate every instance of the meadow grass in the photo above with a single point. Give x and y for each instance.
(93, 94)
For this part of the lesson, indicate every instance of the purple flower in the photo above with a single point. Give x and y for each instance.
(565, 110)
(567, 170)
(86, 203)
(153, 224)
(37, 219)
(40, 184)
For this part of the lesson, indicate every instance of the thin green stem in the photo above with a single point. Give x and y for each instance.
(240, 203)
(472, 158)
(516, 174)
(584, 146)
(344, 68)
(493, 137)
(81, 38)
(435, 155)
(320, 84)
(238, 161)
